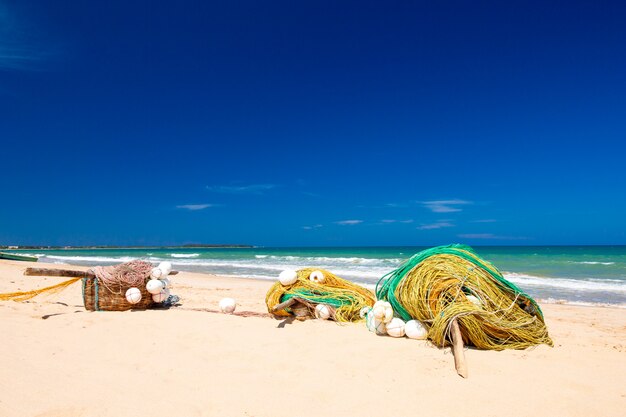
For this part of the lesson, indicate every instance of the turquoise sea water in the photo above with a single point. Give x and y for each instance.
(576, 274)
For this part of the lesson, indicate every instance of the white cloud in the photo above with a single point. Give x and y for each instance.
(438, 225)
(396, 221)
(349, 222)
(195, 207)
(490, 236)
(315, 226)
(485, 221)
(445, 206)
(241, 189)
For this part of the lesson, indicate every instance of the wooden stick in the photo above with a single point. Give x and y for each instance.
(285, 304)
(53, 272)
(457, 350)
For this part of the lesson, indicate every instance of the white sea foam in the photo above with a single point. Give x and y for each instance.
(551, 300)
(91, 258)
(593, 263)
(362, 270)
(611, 285)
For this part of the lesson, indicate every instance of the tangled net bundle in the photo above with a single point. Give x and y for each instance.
(115, 278)
(345, 297)
(435, 287)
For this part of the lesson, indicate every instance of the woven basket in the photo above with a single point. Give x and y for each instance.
(98, 297)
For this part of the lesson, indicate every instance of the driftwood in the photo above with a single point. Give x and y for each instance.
(285, 304)
(457, 350)
(299, 308)
(53, 272)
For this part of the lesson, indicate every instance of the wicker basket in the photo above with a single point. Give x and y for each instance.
(97, 297)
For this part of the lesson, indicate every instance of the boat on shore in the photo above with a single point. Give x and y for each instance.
(16, 257)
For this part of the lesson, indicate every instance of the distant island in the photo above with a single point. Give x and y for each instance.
(186, 246)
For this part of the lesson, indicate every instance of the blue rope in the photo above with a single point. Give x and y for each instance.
(96, 297)
(95, 306)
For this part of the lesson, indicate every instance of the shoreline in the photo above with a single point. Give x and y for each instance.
(369, 285)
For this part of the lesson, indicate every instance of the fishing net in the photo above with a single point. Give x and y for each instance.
(447, 283)
(346, 298)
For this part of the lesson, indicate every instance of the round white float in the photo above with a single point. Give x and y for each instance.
(379, 309)
(322, 311)
(317, 276)
(133, 295)
(165, 267)
(288, 277)
(227, 305)
(154, 286)
(475, 300)
(415, 330)
(161, 295)
(374, 325)
(156, 273)
(166, 282)
(395, 328)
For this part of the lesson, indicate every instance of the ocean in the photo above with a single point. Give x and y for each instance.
(572, 274)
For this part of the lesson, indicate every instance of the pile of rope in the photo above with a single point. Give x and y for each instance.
(447, 283)
(115, 278)
(344, 297)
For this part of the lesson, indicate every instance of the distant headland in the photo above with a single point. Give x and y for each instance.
(186, 246)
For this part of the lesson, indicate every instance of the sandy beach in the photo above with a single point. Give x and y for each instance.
(57, 359)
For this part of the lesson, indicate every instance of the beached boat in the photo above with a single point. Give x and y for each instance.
(16, 257)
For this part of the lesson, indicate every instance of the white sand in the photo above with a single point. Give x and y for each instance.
(184, 363)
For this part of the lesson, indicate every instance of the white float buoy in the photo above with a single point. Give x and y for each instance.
(395, 328)
(156, 273)
(317, 276)
(288, 277)
(227, 305)
(166, 282)
(475, 300)
(374, 325)
(379, 312)
(364, 312)
(415, 330)
(161, 295)
(388, 313)
(322, 311)
(154, 286)
(383, 311)
(133, 295)
(165, 267)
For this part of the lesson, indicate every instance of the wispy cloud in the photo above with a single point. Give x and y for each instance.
(195, 207)
(349, 222)
(490, 236)
(241, 189)
(438, 225)
(396, 221)
(445, 206)
(310, 194)
(485, 221)
(14, 58)
(18, 52)
(315, 226)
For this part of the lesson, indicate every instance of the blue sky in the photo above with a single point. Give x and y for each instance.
(312, 123)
